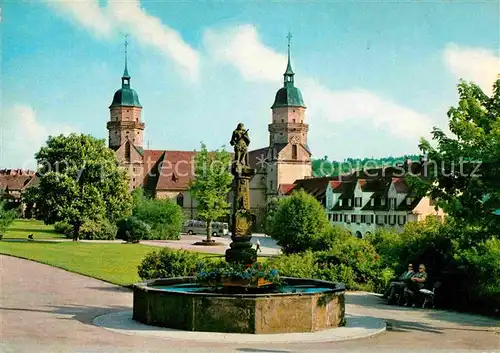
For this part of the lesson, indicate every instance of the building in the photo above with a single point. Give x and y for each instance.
(166, 173)
(13, 182)
(365, 201)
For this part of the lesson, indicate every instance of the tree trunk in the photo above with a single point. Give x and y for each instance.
(209, 231)
(76, 231)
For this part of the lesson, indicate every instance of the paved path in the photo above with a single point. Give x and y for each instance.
(45, 309)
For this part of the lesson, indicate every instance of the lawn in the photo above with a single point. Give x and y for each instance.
(110, 262)
(22, 227)
(115, 263)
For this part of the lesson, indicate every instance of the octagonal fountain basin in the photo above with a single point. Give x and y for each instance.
(299, 305)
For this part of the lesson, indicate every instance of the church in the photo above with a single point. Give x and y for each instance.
(166, 173)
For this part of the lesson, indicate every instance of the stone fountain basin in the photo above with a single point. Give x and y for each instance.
(300, 311)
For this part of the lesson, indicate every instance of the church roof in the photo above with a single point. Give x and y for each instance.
(126, 97)
(288, 96)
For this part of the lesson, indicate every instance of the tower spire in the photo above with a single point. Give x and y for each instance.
(125, 72)
(288, 75)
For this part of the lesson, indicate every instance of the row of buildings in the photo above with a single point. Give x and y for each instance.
(361, 201)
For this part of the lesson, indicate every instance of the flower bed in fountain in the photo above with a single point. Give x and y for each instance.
(238, 275)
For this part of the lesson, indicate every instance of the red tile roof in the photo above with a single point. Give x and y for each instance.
(15, 179)
(286, 189)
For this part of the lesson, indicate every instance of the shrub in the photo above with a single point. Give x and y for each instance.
(63, 227)
(6, 217)
(97, 230)
(297, 220)
(163, 216)
(132, 230)
(295, 265)
(329, 238)
(168, 263)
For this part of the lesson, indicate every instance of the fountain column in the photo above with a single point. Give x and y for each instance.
(241, 218)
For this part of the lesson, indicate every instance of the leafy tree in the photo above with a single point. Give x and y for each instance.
(271, 207)
(298, 220)
(463, 168)
(211, 185)
(80, 181)
(164, 217)
(6, 218)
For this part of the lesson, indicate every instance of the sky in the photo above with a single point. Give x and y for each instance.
(376, 76)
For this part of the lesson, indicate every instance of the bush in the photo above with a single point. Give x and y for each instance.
(6, 217)
(329, 238)
(168, 263)
(63, 227)
(163, 216)
(132, 230)
(295, 234)
(295, 265)
(97, 230)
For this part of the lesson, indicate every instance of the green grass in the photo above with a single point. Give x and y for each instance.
(115, 263)
(22, 227)
(110, 262)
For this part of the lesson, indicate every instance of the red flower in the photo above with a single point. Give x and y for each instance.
(376, 257)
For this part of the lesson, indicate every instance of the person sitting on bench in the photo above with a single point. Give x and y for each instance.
(395, 287)
(417, 283)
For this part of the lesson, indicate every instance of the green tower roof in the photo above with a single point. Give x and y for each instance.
(288, 95)
(126, 96)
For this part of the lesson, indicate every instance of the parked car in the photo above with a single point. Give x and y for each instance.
(200, 227)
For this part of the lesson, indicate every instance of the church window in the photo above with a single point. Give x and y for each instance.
(180, 200)
(294, 151)
(127, 151)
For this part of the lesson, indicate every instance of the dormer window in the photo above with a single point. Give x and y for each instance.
(349, 202)
(372, 202)
(382, 201)
(409, 201)
(340, 202)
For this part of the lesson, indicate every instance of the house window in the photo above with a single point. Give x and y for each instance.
(382, 201)
(180, 200)
(372, 202)
(370, 221)
(349, 202)
(353, 218)
(340, 202)
(380, 219)
(363, 219)
(294, 151)
(347, 219)
(392, 202)
(270, 185)
(358, 201)
(401, 220)
(392, 220)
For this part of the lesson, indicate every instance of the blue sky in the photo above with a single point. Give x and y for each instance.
(376, 76)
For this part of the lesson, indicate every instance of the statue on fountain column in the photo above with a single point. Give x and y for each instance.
(242, 218)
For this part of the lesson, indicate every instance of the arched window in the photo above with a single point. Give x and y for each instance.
(180, 200)
(359, 235)
(127, 151)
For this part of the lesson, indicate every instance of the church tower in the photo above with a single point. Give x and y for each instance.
(290, 158)
(126, 128)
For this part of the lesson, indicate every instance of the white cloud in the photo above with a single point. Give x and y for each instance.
(23, 135)
(241, 47)
(127, 16)
(86, 13)
(473, 64)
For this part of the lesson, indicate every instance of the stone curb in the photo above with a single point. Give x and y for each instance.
(356, 327)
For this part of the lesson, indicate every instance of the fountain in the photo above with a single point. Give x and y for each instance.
(240, 306)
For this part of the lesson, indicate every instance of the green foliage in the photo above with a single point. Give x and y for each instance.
(463, 167)
(63, 227)
(271, 207)
(330, 237)
(7, 217)
(295, 234)
(80, 181)
(324, 167)
(132, 230)
(211, 185)
(301, 265)
(168, 263)
(164, 217)
(98, 230)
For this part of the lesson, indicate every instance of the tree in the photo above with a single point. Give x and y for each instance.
(164, 217)
(6, 218)
(463, 168)
(298, 220)
(211, 185)
(80, 180)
